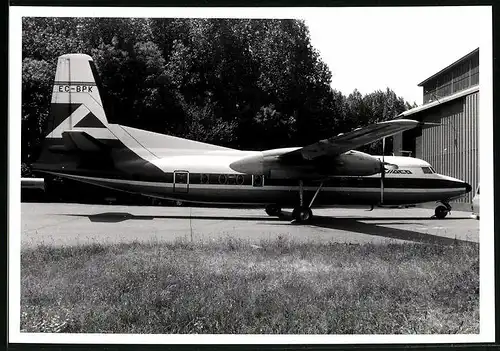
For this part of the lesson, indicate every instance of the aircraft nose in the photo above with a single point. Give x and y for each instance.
(468, 187)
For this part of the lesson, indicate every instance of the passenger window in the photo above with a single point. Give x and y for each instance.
(239, 179)
(257, 180)
(231, 179)
(204, 179)
(181, 178)
(427, 170)
(222, 179)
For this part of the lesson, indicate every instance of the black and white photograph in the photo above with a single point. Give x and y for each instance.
(251, 175)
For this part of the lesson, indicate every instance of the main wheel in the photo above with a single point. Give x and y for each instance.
(273, 210)
(441, 212)
(302, 214)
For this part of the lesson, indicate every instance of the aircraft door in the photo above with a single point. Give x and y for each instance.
(181, 181)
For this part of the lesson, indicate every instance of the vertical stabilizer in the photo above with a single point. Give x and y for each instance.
(76, 102)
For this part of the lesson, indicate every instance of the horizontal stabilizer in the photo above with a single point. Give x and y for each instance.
(78, 140)
(33, 183)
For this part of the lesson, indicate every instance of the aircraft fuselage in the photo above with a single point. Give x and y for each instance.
(208, 178)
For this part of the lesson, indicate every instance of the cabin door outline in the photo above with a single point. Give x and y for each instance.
(181, 181)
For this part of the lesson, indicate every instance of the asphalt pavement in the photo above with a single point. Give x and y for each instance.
(70, 224)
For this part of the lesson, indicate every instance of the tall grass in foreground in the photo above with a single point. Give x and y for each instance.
(230, 286)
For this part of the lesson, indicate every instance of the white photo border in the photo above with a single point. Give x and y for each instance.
(487, 301)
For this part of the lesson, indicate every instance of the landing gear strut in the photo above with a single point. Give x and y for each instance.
(302, 214)
(273, 210)
(442, 210)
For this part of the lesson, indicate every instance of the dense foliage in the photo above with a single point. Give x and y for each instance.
(249, 84)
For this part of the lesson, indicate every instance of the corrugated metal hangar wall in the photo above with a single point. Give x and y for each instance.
(450, 142)
(452, 147)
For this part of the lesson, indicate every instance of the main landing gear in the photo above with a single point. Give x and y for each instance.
(442, 210)
(301, 213)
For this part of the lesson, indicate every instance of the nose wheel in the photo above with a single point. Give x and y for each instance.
(442, 211)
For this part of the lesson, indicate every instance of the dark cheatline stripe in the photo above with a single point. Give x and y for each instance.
(90, 121)
(371, 182)
(65, 82)
(413, 183)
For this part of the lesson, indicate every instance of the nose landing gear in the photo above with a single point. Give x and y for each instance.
(442, 210)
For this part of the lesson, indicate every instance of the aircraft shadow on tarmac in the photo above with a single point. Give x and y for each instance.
(379, 229)
(352, 224)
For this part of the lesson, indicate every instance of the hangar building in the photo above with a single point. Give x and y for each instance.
(450, 139)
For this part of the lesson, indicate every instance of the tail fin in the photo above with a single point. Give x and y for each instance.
(76, 100)
(77, 122)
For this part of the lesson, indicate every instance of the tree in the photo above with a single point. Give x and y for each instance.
(243, 83)
(36, 90)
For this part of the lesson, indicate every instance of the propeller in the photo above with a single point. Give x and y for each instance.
(384, 166)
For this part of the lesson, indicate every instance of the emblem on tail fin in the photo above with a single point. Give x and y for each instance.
(76, 102)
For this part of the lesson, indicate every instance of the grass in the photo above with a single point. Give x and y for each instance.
(231, 286)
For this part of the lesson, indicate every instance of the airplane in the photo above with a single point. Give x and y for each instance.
(81, 145)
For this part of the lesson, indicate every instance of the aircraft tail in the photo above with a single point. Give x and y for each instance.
(76, 100)
(77, 127)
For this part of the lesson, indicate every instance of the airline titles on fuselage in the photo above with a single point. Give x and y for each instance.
(399, 171)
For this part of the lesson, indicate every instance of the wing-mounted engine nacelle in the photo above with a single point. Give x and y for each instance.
(353, 163)
(269, 164)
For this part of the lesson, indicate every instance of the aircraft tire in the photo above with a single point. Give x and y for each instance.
(302, 214)
(273, 210)
(440, 212)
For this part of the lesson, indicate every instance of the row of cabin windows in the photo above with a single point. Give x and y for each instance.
(229, 179)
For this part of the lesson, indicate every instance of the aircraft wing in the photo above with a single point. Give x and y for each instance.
(344, 142)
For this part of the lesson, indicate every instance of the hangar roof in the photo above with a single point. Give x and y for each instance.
(441, 101)
(449, 66)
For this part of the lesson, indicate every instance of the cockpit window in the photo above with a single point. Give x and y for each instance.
(433, 170)
(427, 170)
